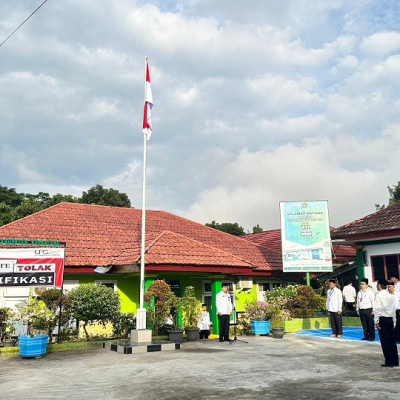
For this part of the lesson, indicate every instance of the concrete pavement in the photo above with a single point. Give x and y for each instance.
(295, 367)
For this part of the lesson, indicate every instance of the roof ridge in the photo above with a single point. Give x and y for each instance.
(203, 244)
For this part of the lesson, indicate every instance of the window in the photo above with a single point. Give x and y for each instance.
(383, 267)
(108, 283)
(206, 295)
(264, 286)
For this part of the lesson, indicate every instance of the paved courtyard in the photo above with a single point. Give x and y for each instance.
(295, 367)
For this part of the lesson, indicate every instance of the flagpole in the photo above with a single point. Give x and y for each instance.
(141, 313)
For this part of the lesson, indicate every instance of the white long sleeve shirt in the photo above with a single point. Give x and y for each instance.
(204, 321)
(334, 300)
(349, 294)
(365, 299)
(397, 300)
(384, 306)
(224, 304)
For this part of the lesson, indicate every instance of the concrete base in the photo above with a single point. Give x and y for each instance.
(125, 347)
(141, 336)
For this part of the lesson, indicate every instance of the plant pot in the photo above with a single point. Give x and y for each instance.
(32, 346)
(175, 335)
(260, 327)
(277, 333)
(192, 334)
(9, 342)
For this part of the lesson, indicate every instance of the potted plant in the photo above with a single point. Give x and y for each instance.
(7, 327)
(259, 314)
(175, 334)
(191, 309)
(163, 307)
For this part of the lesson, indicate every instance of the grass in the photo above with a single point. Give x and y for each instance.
(57, 347)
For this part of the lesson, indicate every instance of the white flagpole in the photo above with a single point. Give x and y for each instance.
(141, 313)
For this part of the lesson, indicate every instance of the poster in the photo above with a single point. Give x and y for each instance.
(306, 241)
(26, 267)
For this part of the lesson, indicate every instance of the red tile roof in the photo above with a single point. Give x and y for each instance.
(101, 236)
(382, 223)
(272, 240)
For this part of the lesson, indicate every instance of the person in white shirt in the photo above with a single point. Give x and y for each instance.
(365, 304)
(224, 310)
(392, 290)
(204, 323)
(349, 295)
(396, 282)
(334, 302)
(385, 319)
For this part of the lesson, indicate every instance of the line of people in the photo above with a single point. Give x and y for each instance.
(380, 310)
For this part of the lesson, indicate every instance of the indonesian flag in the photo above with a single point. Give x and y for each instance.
(148, 104)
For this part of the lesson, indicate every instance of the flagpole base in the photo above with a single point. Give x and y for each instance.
(140, 337)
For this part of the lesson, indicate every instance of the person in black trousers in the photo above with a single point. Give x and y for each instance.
(365, 304)
(384, 315)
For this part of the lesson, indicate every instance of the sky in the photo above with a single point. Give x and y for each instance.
(253, 104)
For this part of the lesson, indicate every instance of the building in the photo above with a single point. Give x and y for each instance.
(376, 238)
(182, 252)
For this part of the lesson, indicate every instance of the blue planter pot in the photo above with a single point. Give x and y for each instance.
(260, 327)
(32, 346)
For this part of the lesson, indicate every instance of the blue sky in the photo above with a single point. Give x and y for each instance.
(277, 101)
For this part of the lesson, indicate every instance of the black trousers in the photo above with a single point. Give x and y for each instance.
(204, 333)
(350, 306)
(336, 323)
(397, 330)
(388, 341)
(367, 322)
(223, 324)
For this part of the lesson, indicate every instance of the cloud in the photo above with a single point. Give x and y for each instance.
(253, 105)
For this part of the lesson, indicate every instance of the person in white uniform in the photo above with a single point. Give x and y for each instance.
(349, 295)
(392, 290)
(365, 305)
(204, 323)
(334, 303)
(224, 310)
(385, 320)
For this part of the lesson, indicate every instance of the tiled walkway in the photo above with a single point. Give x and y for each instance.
(349, 333)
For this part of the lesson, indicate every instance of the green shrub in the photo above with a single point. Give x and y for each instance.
(92, 302)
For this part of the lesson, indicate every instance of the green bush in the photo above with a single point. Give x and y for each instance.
(123, 325)
(92, 302)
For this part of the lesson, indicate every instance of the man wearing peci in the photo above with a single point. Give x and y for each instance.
(385, 319)
(224, 310)
(365, 304)
(334, 302)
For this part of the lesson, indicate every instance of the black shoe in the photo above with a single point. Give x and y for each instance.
(221, 340)
(387, 365)
(371, 340)
(364, 338)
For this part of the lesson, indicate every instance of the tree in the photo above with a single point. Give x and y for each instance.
(257, 229)
(15, 205)
(227, 227)
(10, 197)
(92, 302)
(105, 197)
(394, 196)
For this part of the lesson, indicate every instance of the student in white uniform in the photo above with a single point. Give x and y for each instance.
(204, 323)
(224, 310)
(392, 290)
(349, 295)
(334, 302)
(396, 282)
(365, 304)
(385, 319)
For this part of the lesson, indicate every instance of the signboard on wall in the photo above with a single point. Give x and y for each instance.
(32, 267)
(306, 241)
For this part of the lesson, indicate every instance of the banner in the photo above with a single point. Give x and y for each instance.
(32, 267)
(306, 241)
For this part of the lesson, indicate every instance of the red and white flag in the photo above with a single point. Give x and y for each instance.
(148, 105)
